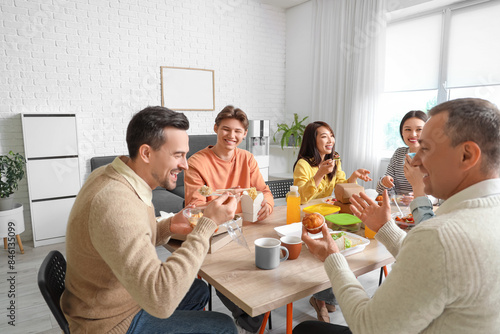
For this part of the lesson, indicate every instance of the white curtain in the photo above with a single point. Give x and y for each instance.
(348, 58)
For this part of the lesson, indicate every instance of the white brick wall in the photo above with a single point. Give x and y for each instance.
(101, 60)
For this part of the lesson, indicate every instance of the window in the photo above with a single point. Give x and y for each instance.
(436, 57)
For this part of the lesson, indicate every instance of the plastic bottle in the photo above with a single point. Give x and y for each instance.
(293, 205)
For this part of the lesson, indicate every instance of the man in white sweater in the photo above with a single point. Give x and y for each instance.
(446, 275)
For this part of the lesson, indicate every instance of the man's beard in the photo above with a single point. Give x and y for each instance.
(166, 183)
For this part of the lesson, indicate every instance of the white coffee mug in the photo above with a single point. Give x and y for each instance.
(268, 252)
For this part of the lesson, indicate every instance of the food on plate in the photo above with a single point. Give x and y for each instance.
(406, 219)
(252, 192)
(330, 200)
(313, 222)
(193, 219)
(344, 242)
(205, 190)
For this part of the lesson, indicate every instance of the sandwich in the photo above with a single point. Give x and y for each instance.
(342, 241)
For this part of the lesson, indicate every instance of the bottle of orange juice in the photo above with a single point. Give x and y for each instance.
(293, 205)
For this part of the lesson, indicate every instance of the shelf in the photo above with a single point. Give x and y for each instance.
(284, 147)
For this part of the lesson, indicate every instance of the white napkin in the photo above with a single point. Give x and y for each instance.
(164, 215)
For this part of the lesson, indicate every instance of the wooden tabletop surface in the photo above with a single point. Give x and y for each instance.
(232, 270)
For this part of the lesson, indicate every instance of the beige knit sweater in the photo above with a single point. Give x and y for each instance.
(112, 266)
(446, 278)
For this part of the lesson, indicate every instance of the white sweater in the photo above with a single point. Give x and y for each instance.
(446, 278)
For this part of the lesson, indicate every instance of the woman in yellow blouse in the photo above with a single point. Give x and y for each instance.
(316, 172)
(318, 168)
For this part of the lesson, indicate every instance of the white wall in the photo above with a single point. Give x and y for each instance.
(299, 60)
(101, 60)
(298, 92)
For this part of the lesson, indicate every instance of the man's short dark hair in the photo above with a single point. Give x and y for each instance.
(474, 120)
(146, 127)
(230, 112)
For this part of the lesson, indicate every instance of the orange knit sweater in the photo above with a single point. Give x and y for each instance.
(206, 168)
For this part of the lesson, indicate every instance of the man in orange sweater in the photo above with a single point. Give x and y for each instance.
(115, 282)
(225, 166)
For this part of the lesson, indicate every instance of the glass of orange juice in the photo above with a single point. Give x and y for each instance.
(369, 233)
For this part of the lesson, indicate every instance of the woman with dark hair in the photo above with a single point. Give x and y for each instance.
(318, 168)
(394, 179)
(316, 172)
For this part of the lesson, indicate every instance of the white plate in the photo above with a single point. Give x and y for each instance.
(295, 229)
(355, 249)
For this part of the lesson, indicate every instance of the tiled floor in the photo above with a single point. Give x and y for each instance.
(33, 315)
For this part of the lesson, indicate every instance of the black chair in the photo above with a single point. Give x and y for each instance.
(279, 188)
(51, 277)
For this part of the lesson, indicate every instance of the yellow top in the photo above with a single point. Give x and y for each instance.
(303, 177)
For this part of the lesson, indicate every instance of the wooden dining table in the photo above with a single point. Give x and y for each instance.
(232, 270)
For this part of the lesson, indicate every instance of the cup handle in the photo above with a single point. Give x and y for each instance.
(286, 253)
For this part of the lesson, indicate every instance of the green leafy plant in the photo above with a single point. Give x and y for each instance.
(11, 172)
(295, 130)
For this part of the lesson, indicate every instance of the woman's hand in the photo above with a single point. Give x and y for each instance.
(360, 174)
(407, 199)
(414, 177)
(387, 181)
(326, 167)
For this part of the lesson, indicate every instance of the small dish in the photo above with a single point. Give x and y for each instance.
(295, 229)
(404, 221)
(193, 215)
(361, 243)
(329, 200)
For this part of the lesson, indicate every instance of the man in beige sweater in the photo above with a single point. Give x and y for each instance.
(445, 279)
(115, 282)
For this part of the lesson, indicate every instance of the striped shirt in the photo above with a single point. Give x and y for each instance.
(396, 170)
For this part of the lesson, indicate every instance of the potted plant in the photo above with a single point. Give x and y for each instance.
(292, 134)
(11, 172)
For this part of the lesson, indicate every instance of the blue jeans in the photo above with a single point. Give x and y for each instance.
(327, 296)
(187, 318)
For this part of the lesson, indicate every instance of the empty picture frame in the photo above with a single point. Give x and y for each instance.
(187, 88)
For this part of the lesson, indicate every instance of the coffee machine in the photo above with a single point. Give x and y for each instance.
(257, 142)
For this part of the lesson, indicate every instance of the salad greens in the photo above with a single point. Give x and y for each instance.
(335, 236)
(347, 242)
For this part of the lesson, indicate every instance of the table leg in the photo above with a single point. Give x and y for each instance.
(18, 237)
(289, 318)
(210, 300)
(264, 323)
